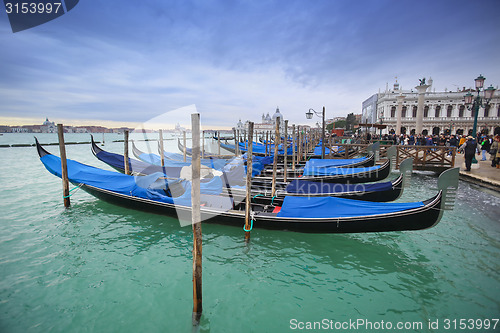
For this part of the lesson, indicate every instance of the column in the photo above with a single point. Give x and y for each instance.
(399, 110)
(420, 108)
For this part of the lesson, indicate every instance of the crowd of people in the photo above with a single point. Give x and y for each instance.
(482, 144)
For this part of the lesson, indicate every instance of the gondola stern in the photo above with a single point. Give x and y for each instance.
(406, 169)
(95, 148)
(391, 156)
(137, 153)
(41, 151)
(448, 184)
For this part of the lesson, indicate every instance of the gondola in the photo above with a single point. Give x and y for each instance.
(170, 161)
(225, 138)
(365, 161)
(234, 178)
(189, 151)
(376, 192)
(117, 162)
(320, 164)
(339, 175)
(344, 175)
(302, 214)
(259, 150)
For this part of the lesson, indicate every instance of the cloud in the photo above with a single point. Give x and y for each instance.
(131, 62)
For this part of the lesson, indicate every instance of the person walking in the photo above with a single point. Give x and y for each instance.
(485, 147)
(469, 149)
(494, 151)
(462, 141)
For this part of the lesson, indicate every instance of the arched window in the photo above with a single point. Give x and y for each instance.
(414, 111)
(449, 111)
(393, 112)
(426, 111)
(487, 110)
(437, 111)
(473, 112)
(403, 112)
(461, 110)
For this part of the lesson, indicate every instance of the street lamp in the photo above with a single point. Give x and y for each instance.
(381, 122)
(309, 115)
(478, 102)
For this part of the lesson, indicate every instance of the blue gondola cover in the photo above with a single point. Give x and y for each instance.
(320, 163)
(331, 207)
(330, 171)
(305, 187)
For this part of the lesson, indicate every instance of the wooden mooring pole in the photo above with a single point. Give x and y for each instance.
(275, 160)
(203, 144)
(125, 153)
(248, 199)
(299, 144)
(184, 141)
(161, 148)
(196, 219)
(235, 142)
(294, 142)
(267, 143)
(218, 143)
(64, 165)
(285, 152)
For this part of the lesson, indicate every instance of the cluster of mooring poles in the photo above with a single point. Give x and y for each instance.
(300, 139)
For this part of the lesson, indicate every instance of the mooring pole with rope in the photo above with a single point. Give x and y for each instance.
(196, 219)
(125, 153)
(275, 160)
(64, 165)
(285, 147)
(161, 148)
(248, 220)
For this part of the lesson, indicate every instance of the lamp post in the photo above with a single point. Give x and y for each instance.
(309, 115)
(478, 102)
(381, 123)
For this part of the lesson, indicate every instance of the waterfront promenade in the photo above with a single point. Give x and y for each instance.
(483, 174)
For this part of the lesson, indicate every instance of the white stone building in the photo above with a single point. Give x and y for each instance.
(48, 126)
(442, 111)
(269, 123)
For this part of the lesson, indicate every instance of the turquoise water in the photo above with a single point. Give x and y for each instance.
(96, 267)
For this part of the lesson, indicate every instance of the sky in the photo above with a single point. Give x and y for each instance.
(112, 63)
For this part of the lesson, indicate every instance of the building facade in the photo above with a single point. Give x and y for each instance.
(48, 126)
(444, 112)
(268, 123)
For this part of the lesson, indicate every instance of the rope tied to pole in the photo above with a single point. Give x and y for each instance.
(257, 195)
(252, 217)
(74, 188)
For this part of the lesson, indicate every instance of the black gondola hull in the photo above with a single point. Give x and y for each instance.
(265, 197)
(353, 178)
(414, 219)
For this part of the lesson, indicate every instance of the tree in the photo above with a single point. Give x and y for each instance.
(338, 124)
(350, 122)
